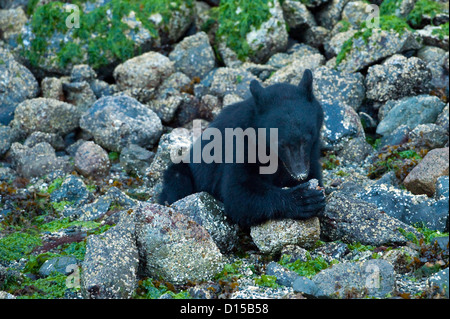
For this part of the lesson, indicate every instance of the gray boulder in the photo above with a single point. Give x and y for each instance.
(38, 160)
(194, 55)
(209, 213)
(411, 111)
(341, 123)
(381, 44)
(352, 220)
(17, 84)
(91, 160)
(228, 80)
(55, 140)
(135, 159)
(407, 207)
(171, 144)
(72, 190)
(331, 84)
(440, 281)
(148, 71)
(111, 262)
(118, 121)
(46, 115)
(173, 247)
(373, 278)
(270, 237)
(61, 264)
(397, 77)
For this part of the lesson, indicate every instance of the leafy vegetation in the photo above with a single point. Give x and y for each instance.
(235, 19)
(102, 35)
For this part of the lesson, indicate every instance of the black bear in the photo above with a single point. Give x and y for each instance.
(251, 197)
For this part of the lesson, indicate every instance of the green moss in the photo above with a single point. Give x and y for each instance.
(102, 34)
(236, 18)
(442, 31)
(388, 7)
(388, 22)
(18, 245)
(424, 8)
(391, 22)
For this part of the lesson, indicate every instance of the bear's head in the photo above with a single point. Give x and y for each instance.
(297, 115)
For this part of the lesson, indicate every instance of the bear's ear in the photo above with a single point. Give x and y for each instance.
(306, 84)
(257, 92)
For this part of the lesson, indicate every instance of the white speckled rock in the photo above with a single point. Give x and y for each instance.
(174, 247)
(111, 262)
(145, 71)
(272, 236)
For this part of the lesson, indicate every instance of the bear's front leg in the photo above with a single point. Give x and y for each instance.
(250, 200)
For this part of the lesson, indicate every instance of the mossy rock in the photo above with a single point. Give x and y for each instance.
(109, 32)
(252, 30)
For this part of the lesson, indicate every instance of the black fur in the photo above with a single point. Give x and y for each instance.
(249, 197)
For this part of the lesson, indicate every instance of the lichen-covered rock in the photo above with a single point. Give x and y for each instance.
(99, 207)
(271, 236)
(52, 88)
(194, 55)
(108, 32)
(270, 37)
(380, 44)
(297, 15)
(341, 123)
(109, 269)
(174, 247)
(375, 278)
(72, 190)
(60, 264)
(46, 115)
(434, 35)
(331, 84)
(356, 12)
(443, 118)
(428, 135)
(293, 72)
(17, 84)
(147, 71)
(410, 111)
(330, 13)
(209, 213)
(117, 121)
(422, 179)
(55, 140)
(171, 144)
(91, 160)
(406, 207)
(38, 160)
(79, 94)
(397, 77)
(353, 220)
(135, 159)
(439, 280)
(227, 80)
